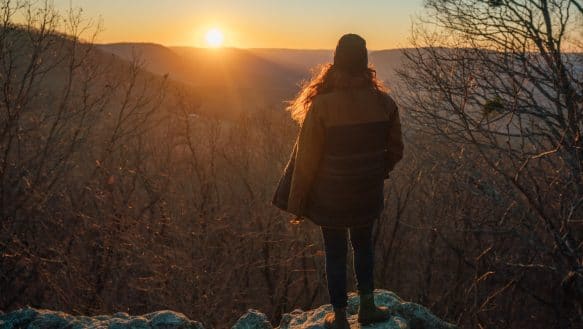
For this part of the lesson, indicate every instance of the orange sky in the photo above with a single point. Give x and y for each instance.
(252, 23)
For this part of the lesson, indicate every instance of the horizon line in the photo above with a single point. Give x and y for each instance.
(229, 47)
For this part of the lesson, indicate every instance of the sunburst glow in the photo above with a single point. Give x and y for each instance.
(214, 38)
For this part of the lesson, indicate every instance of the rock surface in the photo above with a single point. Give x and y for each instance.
(30, 318)
(405, 316)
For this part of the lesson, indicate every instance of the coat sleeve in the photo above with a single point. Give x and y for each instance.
(310, 144)
(395, 142)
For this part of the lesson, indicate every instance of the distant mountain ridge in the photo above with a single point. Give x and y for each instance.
(240, 78)
(270, 61)
(202, 66)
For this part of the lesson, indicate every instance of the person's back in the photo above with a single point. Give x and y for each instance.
(357, 153)
(354, 106)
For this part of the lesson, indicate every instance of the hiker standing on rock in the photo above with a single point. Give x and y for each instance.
(349, 141)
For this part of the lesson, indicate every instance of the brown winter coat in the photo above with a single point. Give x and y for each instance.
(349, 142)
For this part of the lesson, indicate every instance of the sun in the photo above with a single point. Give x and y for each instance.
(214, 38)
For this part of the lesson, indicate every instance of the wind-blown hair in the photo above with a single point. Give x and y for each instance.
(327, 79)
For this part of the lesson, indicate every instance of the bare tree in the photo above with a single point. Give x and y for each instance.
(504, 80)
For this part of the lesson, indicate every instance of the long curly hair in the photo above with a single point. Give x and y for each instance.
(327, 79)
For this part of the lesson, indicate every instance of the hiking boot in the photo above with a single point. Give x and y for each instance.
(336, 319)
(369, 313)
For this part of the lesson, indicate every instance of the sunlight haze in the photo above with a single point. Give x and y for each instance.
(214, 38)
(251, 23)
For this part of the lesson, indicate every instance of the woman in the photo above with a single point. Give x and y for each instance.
(349, 141)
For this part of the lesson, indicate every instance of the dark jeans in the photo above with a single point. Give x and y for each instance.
(336, 247)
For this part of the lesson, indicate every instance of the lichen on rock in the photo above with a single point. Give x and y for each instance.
(30, 318)
(405, 315)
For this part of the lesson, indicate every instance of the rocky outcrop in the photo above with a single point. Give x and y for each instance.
(30, 318)
(405, 316)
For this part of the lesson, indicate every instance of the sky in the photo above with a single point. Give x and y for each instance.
(301, 24)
